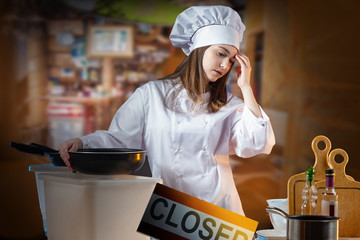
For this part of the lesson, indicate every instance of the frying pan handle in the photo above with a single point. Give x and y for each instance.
(44, 148)
(27, 148)
(276, 210)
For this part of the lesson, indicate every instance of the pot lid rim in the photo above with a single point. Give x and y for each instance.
(313, 217)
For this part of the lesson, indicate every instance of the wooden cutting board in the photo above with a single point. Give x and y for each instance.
(347, 188)
(349, 196)
(297, 182)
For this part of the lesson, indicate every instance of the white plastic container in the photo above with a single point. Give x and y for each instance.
(92, 207)
(279, 223)
(44, 168)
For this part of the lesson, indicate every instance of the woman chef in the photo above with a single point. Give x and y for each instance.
(187, 122)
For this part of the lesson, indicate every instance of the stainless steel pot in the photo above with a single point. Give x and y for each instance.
(309, 227)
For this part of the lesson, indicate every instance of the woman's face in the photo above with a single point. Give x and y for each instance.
(218, 60)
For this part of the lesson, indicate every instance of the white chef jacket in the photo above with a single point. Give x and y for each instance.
(188, 150)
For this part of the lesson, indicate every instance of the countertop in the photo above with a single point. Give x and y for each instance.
(267, 235)
(284, 238)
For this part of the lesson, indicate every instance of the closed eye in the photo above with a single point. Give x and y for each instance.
(221, 54)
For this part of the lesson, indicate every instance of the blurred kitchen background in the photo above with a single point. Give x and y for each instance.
(64, 73)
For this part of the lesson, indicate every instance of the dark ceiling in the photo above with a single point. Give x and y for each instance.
(33, 10)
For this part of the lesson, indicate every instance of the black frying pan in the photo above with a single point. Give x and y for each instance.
(103, 161)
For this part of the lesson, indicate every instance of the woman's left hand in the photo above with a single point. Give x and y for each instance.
(244, 71)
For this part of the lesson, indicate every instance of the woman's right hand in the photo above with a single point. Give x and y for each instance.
(71, 145)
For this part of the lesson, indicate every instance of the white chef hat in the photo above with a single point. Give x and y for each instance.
(201, 26)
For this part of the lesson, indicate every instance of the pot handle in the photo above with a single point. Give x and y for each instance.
(276, 210)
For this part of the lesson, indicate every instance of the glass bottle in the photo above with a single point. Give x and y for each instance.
(309, 194)
(329, 201)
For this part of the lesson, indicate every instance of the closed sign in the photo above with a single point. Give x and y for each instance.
(171, 214)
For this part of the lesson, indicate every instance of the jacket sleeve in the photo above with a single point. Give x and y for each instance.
(251, 135)
(126, 128)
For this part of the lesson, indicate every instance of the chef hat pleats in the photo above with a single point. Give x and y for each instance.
(201, 26)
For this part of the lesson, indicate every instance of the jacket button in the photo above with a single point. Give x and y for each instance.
(203, 148)
(178, 122)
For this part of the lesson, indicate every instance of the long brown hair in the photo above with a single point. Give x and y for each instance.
(191, 73)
